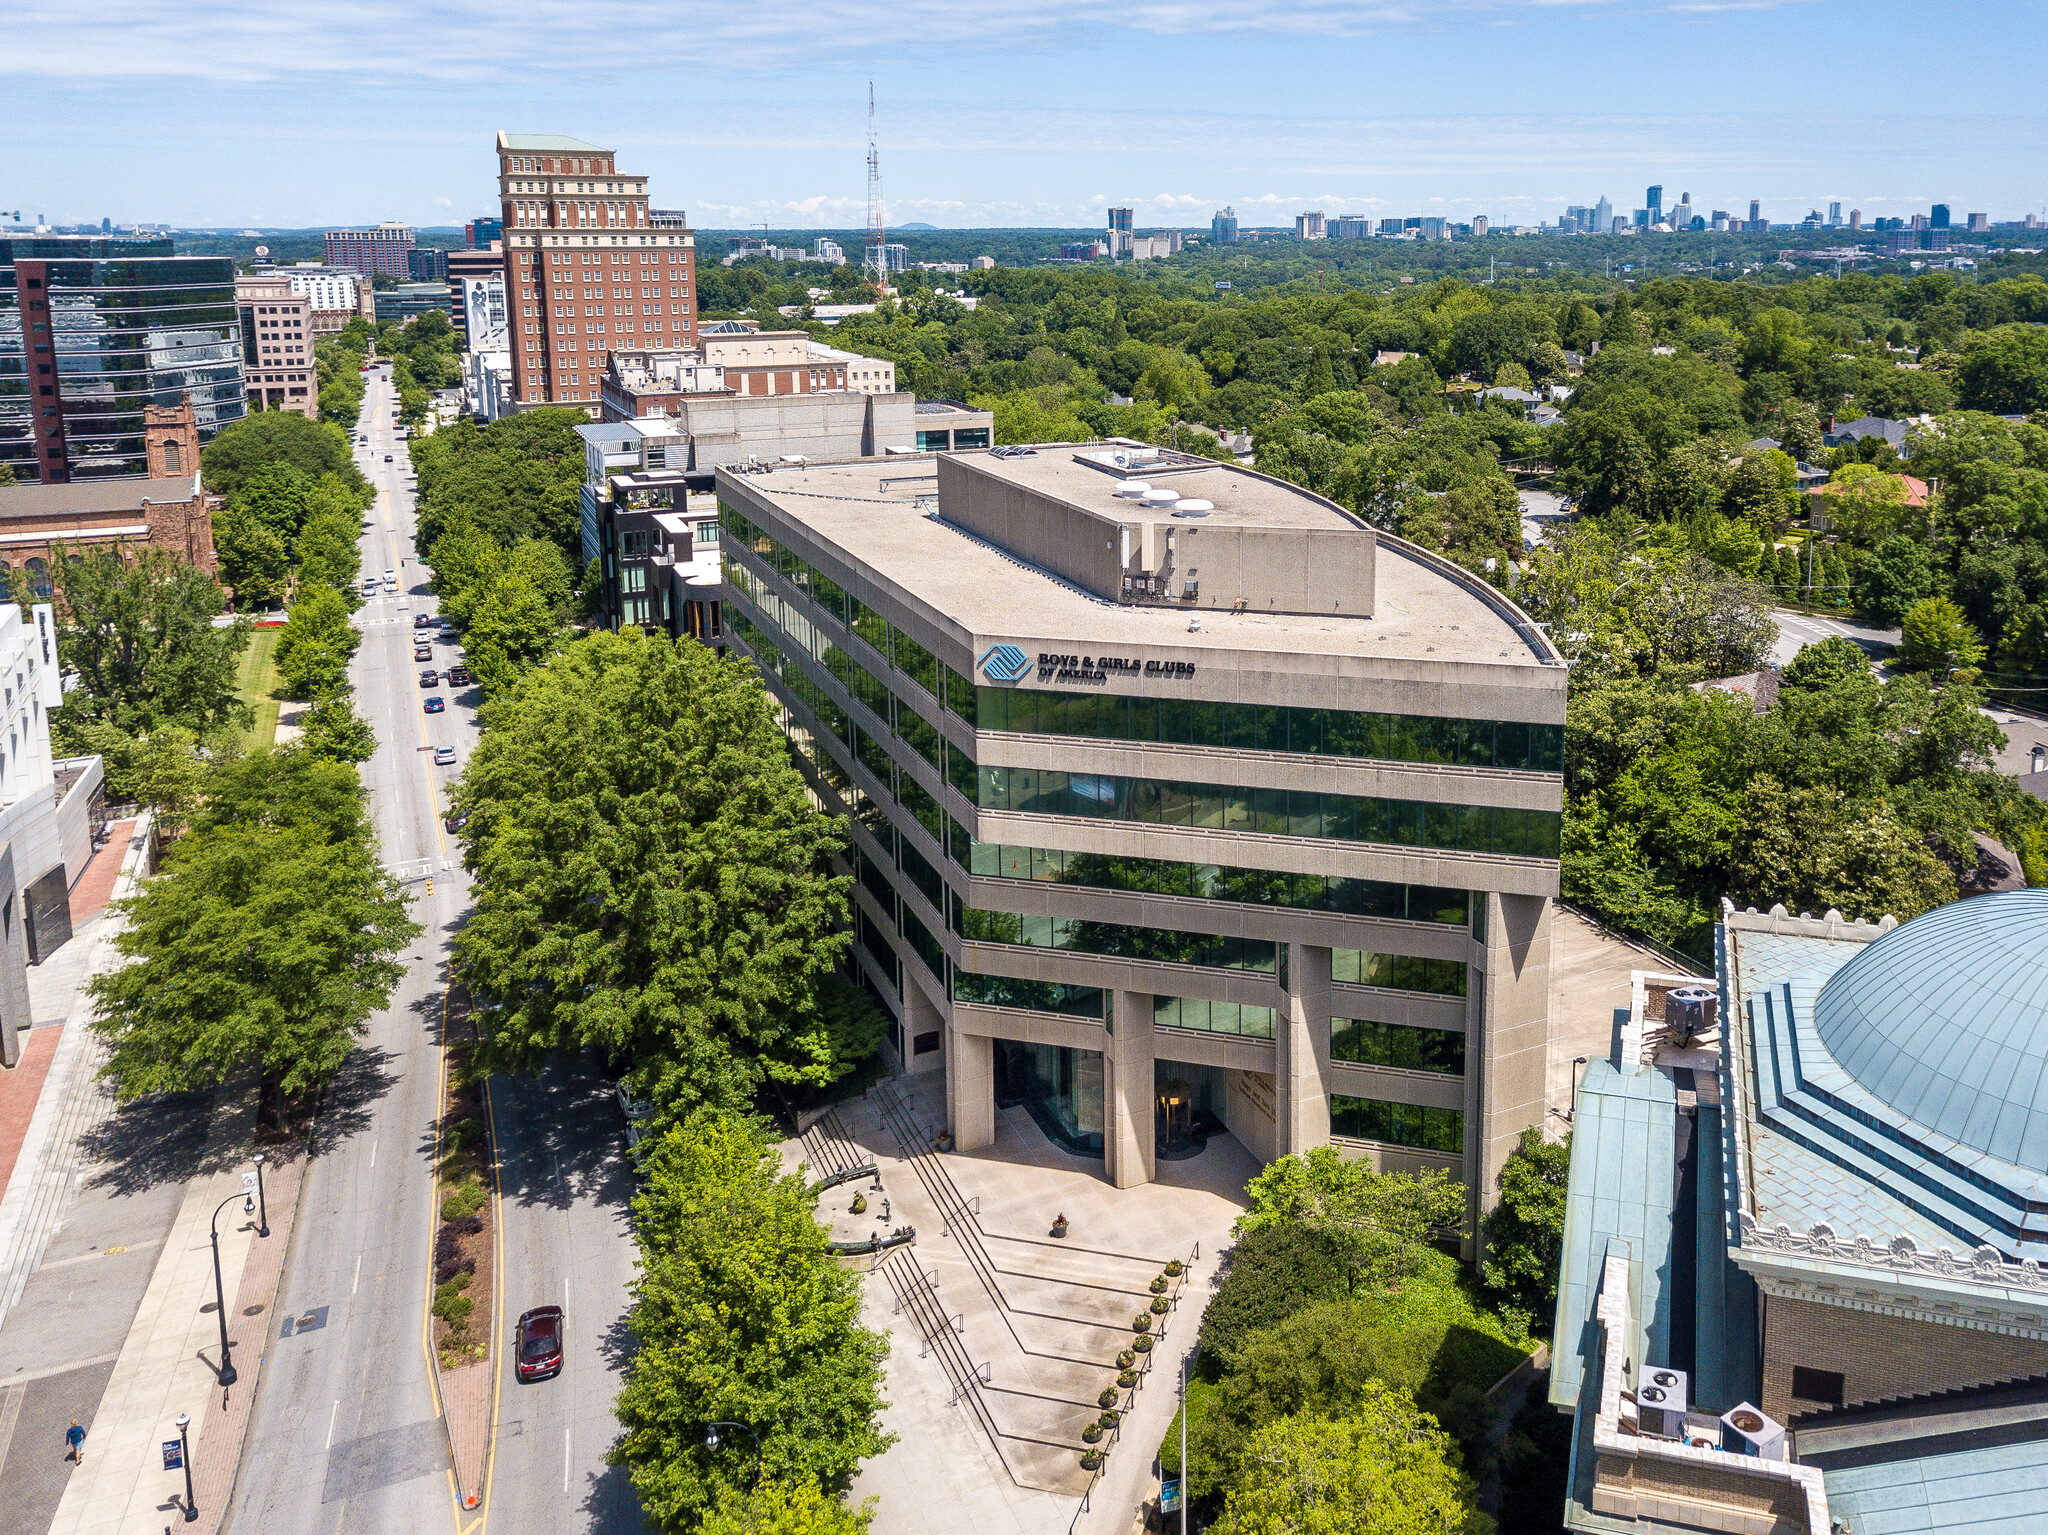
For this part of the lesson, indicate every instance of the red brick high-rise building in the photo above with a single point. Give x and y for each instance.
(589, 267)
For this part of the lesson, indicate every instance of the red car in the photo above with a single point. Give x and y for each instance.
(539, 1348)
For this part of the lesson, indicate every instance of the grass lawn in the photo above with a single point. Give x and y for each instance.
(256, 683)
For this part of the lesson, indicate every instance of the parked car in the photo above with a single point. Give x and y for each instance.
(430, 678)
(459, 676)
(456, 822)
(538, 1352)
(631, 1106)
(444, 756)
(436, 703)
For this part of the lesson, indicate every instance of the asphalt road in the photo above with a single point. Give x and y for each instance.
(345, 1437)
(1798, 630)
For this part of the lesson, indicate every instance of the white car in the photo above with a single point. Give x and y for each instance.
(633, 1108)
(444, 756)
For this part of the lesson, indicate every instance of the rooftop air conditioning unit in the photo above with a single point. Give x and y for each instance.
(1746, 1431)
(1690, 1011)
(1661, 1403)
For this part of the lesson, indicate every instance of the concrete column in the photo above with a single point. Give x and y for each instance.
(1301, 1077)
(1128, 1140)
(1506, 1054)
(14, 1004)
(970, 1089)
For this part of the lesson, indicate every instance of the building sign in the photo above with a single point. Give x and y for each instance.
(1008, 663)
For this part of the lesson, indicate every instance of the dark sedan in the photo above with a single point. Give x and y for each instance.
(538, 1351)
(459, 676)
(430, 678)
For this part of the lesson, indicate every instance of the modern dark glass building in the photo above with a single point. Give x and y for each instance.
(94, 329)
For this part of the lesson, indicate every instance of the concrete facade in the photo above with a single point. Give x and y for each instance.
(277, 346)
(1032, 886)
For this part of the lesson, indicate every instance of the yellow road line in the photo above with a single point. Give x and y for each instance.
(497, 1321)
(433, 1220)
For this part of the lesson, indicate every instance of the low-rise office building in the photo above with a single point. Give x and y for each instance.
(1183, 802)
(656, 541)
(277, 346)
(410, 300)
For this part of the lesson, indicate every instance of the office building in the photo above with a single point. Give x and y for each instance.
(1156, 246)
(1433, 228)
(48, 809)
(483, 233)
(737, 357)
(479, 313)
(1937, 217)
(828, 251)
(1119, 233)
(1170, 781)
(1223, 227)
(1351, 227)
(1980, 223)
(467, 267)
(426, 264)
(410, 300)
(1934, 239)
(1603, 215)
(386, 249)
(277, 346)
(1308, 226)
(97, 330)
(334, 297)
(1084, 250)
(983, 263)
(589, 265)
(1834, 215)
(1855, 218)
(656, 541)
(1390, 228)
(1479, 226)
(1655, 198)
(1801, 1286)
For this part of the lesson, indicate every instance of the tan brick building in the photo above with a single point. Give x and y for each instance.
(277, 346)
(589, 267)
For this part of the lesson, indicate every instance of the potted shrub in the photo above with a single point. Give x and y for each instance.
(1090, 1459)
(1092, 1432)
(1108, 1418)
(1160, 1306)
(1127, 1379)
(1159, 1287)
(1142, 1344)
(1059, 1225)
(1126, 1359)
(1141, 1323)
(944, 1142)
(1106, 1397)
(1173, 1269)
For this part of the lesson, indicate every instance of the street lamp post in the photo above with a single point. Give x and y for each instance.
(226, 1376)
(711, 1440)
(262, 1204)
(185, 1458)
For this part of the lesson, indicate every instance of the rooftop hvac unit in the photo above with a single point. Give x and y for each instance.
(1690, 1011)
(1661, 1403)
(1746, 1431)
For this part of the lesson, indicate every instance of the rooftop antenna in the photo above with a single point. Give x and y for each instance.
(878, 255)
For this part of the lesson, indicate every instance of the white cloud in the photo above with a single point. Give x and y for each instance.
(259, 40)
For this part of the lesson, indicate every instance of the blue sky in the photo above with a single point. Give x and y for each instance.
(287, 113)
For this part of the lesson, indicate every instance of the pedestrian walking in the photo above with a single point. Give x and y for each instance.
(75, 1437)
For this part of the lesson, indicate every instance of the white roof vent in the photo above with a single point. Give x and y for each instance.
(1131, 490)
(1160, 497)
(1193, 508)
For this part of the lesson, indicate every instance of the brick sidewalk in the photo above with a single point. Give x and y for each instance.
(19, 1091)
(217, 1443)
(95, 887)
(466, 1398)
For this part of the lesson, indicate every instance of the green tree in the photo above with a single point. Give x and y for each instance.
(253, 561)
(785, 1508)
(740, 1314)
(263, 946)
(1893, 577)
(2005, 371)
(1377, 1218)
(1814, 849)
(314, 648)
(511, 631)
(140, 635)
(332, 729)
(1864, 502)
(313, 448)
(650, 875)
(1525, 1229)
(1936, 637)
(273, 495)
(1382, 1469)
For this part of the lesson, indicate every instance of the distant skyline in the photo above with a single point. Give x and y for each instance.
(235, 113)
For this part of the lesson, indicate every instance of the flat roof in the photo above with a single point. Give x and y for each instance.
(882, 514)
(1087, 475)
(83, 497)
(547, 141)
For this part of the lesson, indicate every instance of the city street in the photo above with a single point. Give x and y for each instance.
(352, 1395)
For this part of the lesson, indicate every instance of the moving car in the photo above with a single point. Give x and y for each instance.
(436, 704)
(422, 620)
(391, 577)
(430, 678)
(387, 458)
(444, 756)
(423, 652)
(459, 676)
(538, 1351)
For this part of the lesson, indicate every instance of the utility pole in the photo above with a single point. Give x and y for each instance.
(878, 253)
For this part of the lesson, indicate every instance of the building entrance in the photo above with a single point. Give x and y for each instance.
(1187, 1103)
(1060, 1088)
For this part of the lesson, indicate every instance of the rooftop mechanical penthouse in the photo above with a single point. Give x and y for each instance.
(1184, 803)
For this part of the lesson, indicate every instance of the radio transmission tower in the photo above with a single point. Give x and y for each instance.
(878, 255)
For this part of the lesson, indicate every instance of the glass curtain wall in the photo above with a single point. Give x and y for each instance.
(1060, 1088)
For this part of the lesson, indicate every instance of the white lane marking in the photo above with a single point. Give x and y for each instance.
(565, 1302)
(359, 1275)
(566, 1448)
(331, 1416)
(373, 1152)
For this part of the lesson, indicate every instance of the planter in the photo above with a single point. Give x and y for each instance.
(1142, 1344)
(1174, 1269)
(1141, 1323)
(1160, 1306)
(1158, 1287)
(1090, 1459)
(1126, 1359)
(1060, 1230)
(1092, 1432)
(1128, 1379)
(1106, 1397)
(943, 1143)
(1108, 1420)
